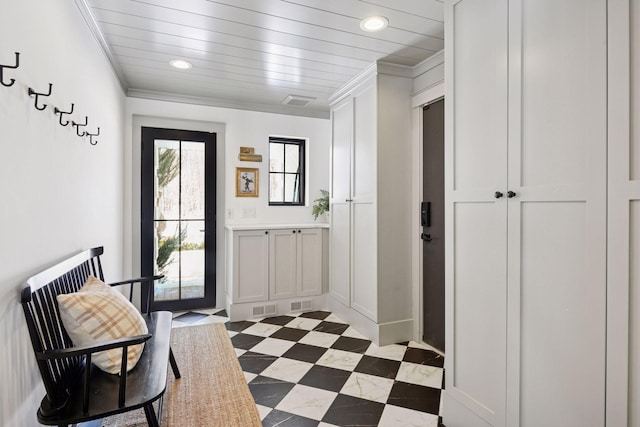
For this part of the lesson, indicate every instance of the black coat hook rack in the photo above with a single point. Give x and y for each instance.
(56, 110)
(2, 67)
(91, 135)
(37, 94)
(77, 125)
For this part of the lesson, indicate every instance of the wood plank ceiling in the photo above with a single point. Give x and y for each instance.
(254, 54)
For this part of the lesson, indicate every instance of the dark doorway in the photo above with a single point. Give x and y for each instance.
(432, 221)
(178, 221)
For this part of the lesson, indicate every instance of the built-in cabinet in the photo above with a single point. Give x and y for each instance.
(526, 213)
(275, 270)
(370, 269)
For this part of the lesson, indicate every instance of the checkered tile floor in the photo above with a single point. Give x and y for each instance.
(316, 370)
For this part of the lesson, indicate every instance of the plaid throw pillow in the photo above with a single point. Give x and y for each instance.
(98, 313)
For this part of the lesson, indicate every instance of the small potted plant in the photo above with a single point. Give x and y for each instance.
(321, 204)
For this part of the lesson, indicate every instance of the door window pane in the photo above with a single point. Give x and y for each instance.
(192, 180)
(167, 179)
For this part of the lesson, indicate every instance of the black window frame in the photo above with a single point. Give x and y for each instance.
(302, 170)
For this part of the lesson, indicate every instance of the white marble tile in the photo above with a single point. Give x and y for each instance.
(307, 401)
(338, 359)
(261, 329)
(263, 411)
(287, 370)
(319, 339)
(232, 333)
(207, 310)
(303, 323)
(333, 318)
(273, 346)
(352, 333)
(392, 352)
(327, 425)
(249, 376)
(212, 319)
(368, 387)
(424, 375)
(239, 351)
(395, 416)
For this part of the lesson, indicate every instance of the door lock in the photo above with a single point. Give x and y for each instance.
(426, 237)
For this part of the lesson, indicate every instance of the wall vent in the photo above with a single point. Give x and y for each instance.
(301, 305)
(265, 310)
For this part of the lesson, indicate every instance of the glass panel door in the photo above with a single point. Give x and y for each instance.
(178, 211)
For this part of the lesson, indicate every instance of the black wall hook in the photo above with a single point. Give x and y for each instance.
(56, 110)
(77, 125)
(2, 67)
(91, 135)
(37, 94)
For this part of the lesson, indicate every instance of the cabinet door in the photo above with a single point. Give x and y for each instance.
(557, 219)
(309, 262)
(250, 266)
(476, 221)
(340, 231)
(282, 263)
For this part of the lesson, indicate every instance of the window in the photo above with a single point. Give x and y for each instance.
(286, 171)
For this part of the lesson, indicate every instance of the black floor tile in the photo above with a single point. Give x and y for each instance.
(222, 313)
(411, 396)
(376, 366)
(352, 411)
(354, 345)
(190, 317)
(290, 334)
(269, 391)
(320, 315)
(423, 357)
(325, 378)
(331, 327)
(285, 419)
(245, 341)
(255, 362)
(277, 320)
(305, 353)
(238, 326)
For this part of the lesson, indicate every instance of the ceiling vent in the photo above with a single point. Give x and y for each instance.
(297, 101)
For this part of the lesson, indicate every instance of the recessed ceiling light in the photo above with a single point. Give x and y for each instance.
(374, 23)
(180, 64)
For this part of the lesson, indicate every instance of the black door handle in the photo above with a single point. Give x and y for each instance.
(426, 237)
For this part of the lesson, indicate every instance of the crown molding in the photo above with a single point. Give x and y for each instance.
(428, 64)
(223, 103)
(92, 23)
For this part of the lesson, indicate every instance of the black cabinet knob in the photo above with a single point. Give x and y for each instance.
(266, 232)
(511, 194)
(498, 194)
(293, 231)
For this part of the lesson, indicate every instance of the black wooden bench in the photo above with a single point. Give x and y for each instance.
(76, 390)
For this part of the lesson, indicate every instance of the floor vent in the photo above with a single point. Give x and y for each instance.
(265, 310)
(301, 305)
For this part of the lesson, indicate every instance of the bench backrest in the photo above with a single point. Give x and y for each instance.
(41, 312)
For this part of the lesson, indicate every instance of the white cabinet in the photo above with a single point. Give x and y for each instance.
(295, 262)
(370, 283)
(275, 270)
(250, 265)
(526, 153)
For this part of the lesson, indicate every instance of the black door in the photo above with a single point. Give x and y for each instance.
(178, 217)
(432, 218)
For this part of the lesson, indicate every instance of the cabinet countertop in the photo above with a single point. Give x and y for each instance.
(239, 227)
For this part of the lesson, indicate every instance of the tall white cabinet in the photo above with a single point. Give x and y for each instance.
(526, 208)
(370, 204)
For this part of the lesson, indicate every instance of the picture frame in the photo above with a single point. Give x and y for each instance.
(247, 184)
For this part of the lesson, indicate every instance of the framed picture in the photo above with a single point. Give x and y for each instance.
(247, 182)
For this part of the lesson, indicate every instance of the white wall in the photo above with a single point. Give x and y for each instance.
(235, 128)
(58, 194)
